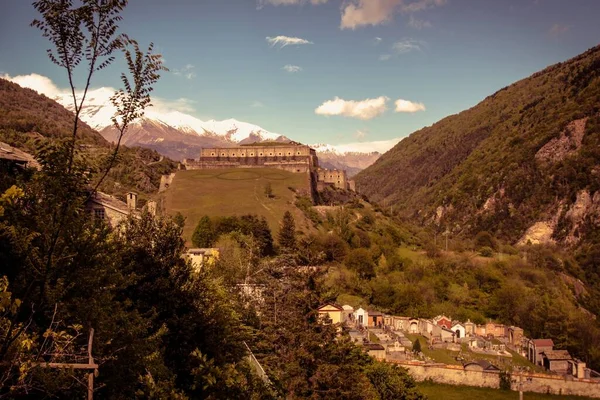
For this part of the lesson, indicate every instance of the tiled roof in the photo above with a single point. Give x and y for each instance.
(374, 346)
(10, 153)
(336, 306)
(543, 342)
(110, 201)
(557, 355)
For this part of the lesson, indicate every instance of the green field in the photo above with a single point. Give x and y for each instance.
(435, 391)
(226, 192)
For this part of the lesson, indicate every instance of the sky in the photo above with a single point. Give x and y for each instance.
(328, 71)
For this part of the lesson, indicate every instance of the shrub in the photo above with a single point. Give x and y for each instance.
(486, 251)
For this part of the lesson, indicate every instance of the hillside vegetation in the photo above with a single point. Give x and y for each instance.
(525, 154)
(28, 119)
(230, 192)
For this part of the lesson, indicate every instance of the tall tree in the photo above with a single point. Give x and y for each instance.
(287, 233)
(204, 234)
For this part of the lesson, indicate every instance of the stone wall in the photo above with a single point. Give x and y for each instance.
(539, 383)
(165, 182)
(257, 156)
(333, 177)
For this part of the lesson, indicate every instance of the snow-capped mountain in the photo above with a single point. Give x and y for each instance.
(98, 111)
(179, 135)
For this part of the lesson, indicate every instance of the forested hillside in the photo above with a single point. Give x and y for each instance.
(530, 153)
(28, 119)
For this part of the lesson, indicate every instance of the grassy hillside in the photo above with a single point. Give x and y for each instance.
(480, 166)
(27, 119)
(226, 192)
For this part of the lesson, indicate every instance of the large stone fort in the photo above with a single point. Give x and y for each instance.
(292, 157)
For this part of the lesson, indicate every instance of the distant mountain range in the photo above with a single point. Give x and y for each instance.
(179, 136)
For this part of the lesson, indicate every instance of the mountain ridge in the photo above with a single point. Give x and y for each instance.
(477, 170)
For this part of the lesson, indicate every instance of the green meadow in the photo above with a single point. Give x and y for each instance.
(227, 192)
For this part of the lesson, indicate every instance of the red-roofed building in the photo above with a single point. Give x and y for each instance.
(535, 348)
(443, 321)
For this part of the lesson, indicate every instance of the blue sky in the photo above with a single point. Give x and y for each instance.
(440, 56)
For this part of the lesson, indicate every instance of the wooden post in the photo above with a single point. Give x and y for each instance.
(90, 395)
(91, 366)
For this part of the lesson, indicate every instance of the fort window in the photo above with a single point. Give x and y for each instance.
(298, 153)
(279, 154)
(223, 154)
(289, 153)
(260, 154)
(233, 155)
(251, 154)
(212, 154)
(270, 154)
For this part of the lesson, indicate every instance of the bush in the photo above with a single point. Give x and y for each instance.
(486, 251)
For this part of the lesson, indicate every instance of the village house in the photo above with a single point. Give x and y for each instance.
(469, 328)
(375, 350)
(444, 321)
(495, 330)
(202, 257)
(535, 348)
(515, 335)
(480, 330)
(387, 320)
(459, 329)
(559, 361)
(17, 159)
(426, 328)
(413, 326)
(109, 208)
(348, 313)
(447, 336)
(361, 317)
(331, 313)
(375, 319)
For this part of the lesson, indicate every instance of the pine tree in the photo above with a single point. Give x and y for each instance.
(287, 233)
(417, 346)
(204, 234)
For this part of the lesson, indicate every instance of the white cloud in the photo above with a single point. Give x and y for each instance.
(420, 5)
(365, 109)
(284, 41)
(380, 146)
(407, 45)
(358, 13)
(559, 29)
(164, 105)
(377, 40)
(257, 104)
(98, 98)
(360, 134)
(385, 57)
(39, 83)
(262, 3)
(418, 23)
(187, 72)
(292, 68)
(406, 106)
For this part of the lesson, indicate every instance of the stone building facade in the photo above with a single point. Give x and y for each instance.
(291, 157)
